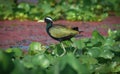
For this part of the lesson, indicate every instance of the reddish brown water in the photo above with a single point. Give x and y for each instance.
(15, 32)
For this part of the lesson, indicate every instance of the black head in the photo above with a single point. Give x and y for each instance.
(48, 20)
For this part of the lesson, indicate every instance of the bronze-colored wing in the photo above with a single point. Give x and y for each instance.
(61, 31)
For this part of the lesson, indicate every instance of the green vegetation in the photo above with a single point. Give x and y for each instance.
(95, 55)
(85, 10)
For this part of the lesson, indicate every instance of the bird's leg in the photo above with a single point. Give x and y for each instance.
(74, 50)
(64, 50)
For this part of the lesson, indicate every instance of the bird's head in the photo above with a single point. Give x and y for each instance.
(48, 20)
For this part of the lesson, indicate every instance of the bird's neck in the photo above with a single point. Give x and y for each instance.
(48, 26)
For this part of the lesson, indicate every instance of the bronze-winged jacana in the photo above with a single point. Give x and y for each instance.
(60, 32)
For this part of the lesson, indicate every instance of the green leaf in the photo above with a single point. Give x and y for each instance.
(88, 59)
(116, 47)
(6, 63)
(96, 35)
(114, 34)
(94, 52)
(96, 43)
(71, 15)
(78, 43)
(107, 54)
(34, 10)
(109, 32)
(17, 52)
(46, 8)
(102, 69)
(68, 69)
(115, 66)
(24, 6)
(27, 61)
(41, 60)
(74, 63)
(35, 48)
(109, 42)
(19, 67)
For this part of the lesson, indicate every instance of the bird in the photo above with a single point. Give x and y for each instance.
(60, 32)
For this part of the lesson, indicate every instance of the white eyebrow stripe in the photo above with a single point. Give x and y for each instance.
(49, 18)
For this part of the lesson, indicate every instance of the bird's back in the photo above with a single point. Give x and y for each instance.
(61, 31)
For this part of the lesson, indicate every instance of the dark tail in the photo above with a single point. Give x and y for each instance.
(77, 29)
